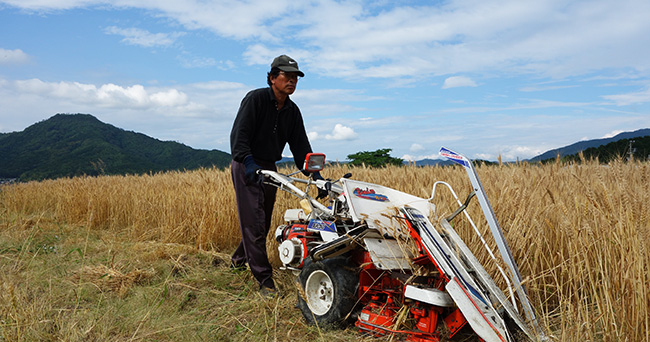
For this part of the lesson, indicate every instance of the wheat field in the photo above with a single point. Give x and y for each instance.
(580, 233)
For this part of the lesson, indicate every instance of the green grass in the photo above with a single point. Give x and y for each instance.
(64, 283)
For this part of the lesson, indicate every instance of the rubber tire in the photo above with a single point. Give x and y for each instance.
(342, 283)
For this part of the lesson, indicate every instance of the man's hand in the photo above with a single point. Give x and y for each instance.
(322, 193)
(250, 175)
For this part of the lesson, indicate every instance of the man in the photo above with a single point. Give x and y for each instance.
(266, 121)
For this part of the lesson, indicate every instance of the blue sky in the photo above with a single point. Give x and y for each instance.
(485, 78)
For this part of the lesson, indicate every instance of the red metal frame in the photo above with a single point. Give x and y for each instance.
(382, 296)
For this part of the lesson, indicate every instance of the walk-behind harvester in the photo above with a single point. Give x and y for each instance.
(373, 257)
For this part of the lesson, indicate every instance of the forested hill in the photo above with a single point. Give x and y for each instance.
(616, 149)
(79, 144)
(583, 145)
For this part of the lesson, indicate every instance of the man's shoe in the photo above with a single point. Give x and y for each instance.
(268, 292)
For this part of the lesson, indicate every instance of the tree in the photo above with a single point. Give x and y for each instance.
(376, 158)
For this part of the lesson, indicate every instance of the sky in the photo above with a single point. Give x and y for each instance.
(486, 78)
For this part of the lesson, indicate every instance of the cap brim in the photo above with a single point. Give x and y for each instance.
(292, 69)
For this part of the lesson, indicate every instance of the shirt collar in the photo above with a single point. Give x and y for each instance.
(287, 102)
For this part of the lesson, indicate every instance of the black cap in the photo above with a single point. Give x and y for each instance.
(286, 63)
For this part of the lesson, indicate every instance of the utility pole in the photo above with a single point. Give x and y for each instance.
(631, 151)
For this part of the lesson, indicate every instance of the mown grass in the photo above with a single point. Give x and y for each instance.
(69, 283)
(579, 232)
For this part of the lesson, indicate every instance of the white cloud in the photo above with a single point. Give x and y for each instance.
(462, 36)
(458, 81)
(219, 85)
(144, 38)
(16, 56)
(169, 98)
(513, 153)
(611, 134)
(630, 98)
(341, 132)
(483, 156)
(191, 61)
(185, 113)
(409, 157)
(546, 88)
(382, 39)
(106, 95)
(416, 148)
(40, 5)
(530, 104)
(198, 62)
(234, 19)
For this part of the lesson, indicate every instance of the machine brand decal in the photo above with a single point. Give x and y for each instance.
(369, 194)
(453, 156)
(322, 225)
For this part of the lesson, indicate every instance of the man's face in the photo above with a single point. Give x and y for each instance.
(285, 82)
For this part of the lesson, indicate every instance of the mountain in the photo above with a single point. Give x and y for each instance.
(583, 145)
(68, 145)
(616, 149)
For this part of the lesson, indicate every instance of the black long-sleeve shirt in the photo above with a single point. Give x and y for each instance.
(262, 131)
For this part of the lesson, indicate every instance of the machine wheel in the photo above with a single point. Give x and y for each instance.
(328, 292)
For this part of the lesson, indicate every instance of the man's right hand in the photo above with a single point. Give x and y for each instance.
(250, 175)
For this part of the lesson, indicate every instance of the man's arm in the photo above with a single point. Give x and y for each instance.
(243, 129)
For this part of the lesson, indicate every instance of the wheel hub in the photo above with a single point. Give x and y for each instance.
(319, 292)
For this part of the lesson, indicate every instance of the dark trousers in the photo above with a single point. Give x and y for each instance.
(254, 206)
